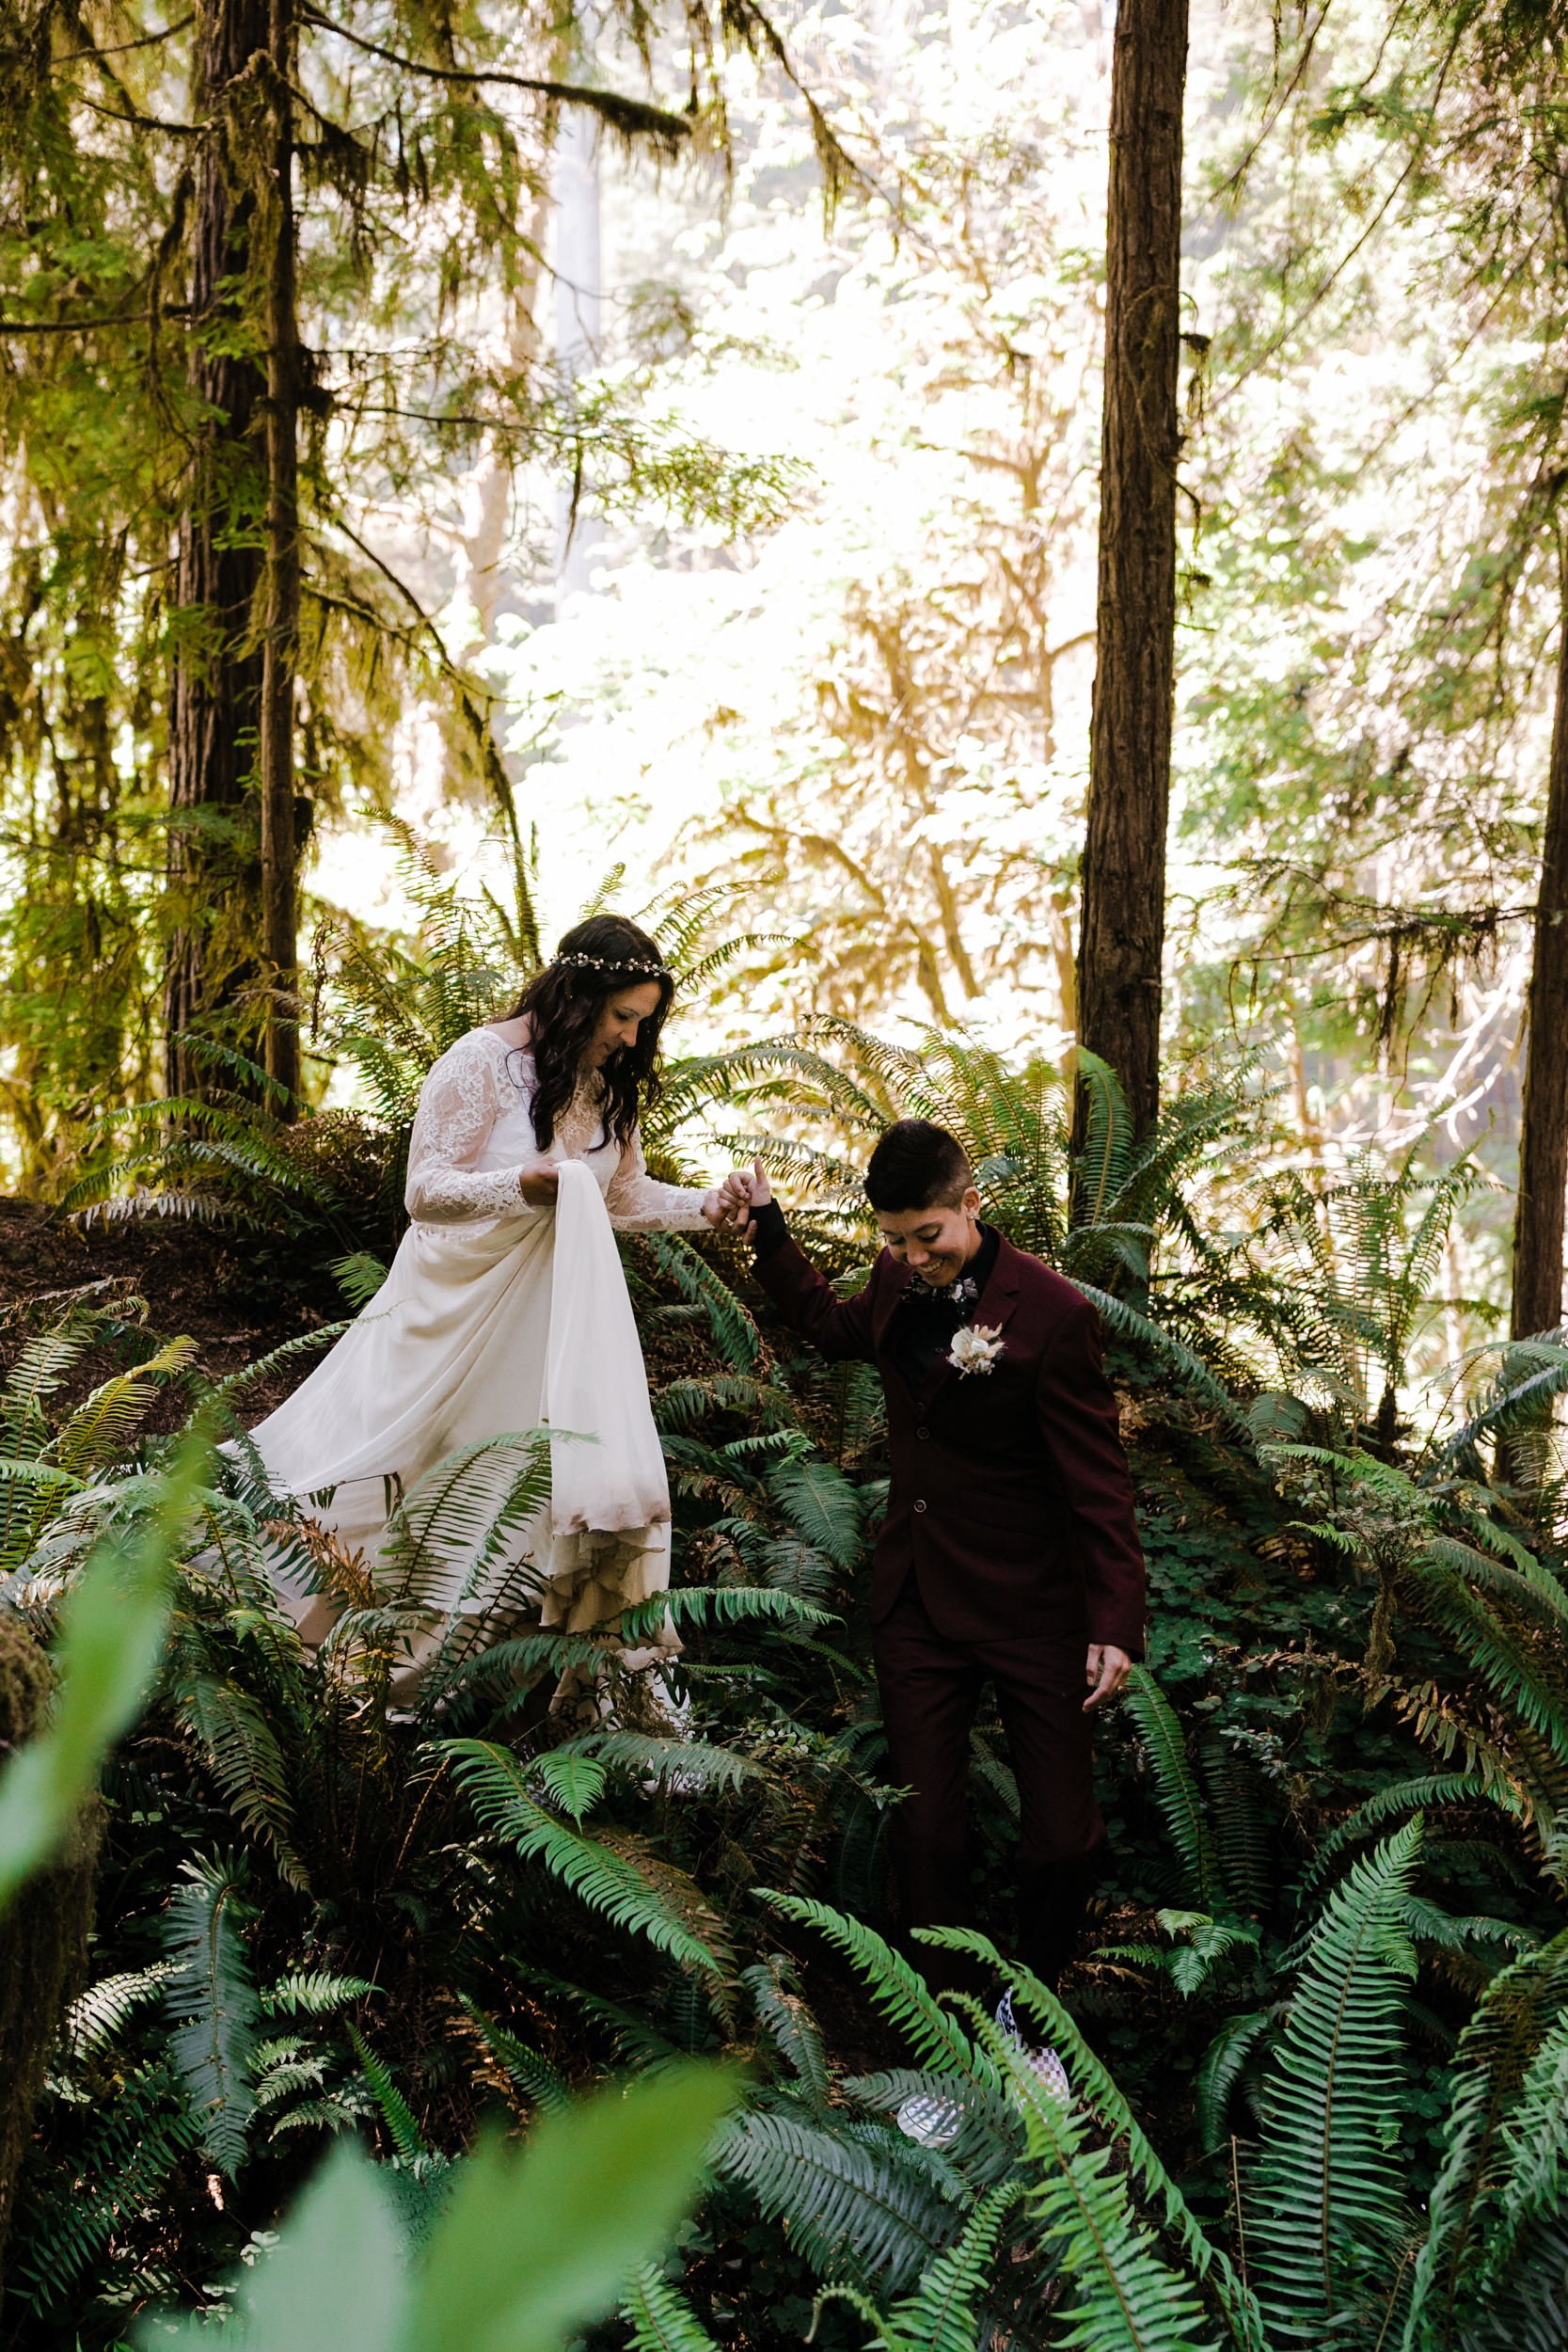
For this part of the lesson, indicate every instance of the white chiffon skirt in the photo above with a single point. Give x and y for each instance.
(477, 1334)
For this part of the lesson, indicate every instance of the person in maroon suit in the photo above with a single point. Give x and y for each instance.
(1009, 1552)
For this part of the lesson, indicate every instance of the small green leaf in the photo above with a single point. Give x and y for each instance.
(575, 1783)
(112, 1635)
(538, 2242)
(335, 2283)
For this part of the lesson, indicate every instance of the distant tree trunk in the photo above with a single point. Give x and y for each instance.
(215, 720)
(1537, 1303)
(578, 303)
(1123, 931)
(280, 644)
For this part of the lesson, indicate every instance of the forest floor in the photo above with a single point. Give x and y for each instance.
(196, 1282)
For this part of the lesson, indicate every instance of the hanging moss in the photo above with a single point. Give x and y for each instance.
(43, 1937)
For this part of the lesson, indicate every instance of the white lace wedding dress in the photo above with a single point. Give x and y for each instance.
(498, 1317)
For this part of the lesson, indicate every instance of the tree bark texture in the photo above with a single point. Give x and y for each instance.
(279, 894)
(1122, 938)
(1538, 1219)
(214, 867)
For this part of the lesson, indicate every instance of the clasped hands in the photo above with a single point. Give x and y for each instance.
(728, 1206)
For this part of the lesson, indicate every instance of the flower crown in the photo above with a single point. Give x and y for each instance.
(617, 963)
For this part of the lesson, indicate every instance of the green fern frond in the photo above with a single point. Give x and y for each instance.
(1122, 2295)
(1328, 2179)
(689, 1763)
(572, 1782)
(134, 2145)
(1221, 2068)
(1176, 1789)
(1239, 1831)
(898, 1992)
(533, 2076)
(821, 1504)
(97, 2015)
(43, 1366)
(735, 1334)
(463, 1518)
(684, 1406)
(315, 1993)
(1094, 2084)
(659, 2318)
(242, 1750)
(607, 1881)
(795, 2033)
(213, 2005)
(104, 1425)
(719, 1605)
(864, 2204)
(944, 2313)
(1425, 1792)
(393, 2107)
(1517, 2016)
(1189, 1370)
(359, 1275)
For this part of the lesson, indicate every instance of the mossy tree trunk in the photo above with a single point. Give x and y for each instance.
(1122, 938)
(43, 1937)
(213, 973)
(279, 827)
(1538, 1219)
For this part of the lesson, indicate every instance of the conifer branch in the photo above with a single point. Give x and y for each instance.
(630, 116)
(146, 40)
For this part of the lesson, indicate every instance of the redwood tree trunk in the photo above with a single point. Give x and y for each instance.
(1124, 851)
(214, 922)
(279, 895)
(1537, 1303)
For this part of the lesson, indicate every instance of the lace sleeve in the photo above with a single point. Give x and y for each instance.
(458, 1108)
(639, 1202)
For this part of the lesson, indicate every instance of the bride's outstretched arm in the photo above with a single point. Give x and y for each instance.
(637, 1202)
(458, 1108)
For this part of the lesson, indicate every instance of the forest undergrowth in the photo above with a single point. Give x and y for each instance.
(1319, 2064)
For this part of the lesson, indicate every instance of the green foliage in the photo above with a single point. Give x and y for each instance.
(213, 2005)
(111, 1636)
(470, 1903)
(1327, 2191)
(1177, 1791)
(606, 1880)
(528, 2247)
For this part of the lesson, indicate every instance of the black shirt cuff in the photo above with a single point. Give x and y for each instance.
(771, 1232)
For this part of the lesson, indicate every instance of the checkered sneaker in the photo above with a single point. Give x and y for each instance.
(929, 2122)
(1042, 2062)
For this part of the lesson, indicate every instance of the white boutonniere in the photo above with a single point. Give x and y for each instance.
(976, 1348)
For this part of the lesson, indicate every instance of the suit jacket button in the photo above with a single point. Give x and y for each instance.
(919, 1506)
(922, 1433)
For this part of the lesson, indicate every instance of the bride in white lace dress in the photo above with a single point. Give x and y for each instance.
(505, 1307)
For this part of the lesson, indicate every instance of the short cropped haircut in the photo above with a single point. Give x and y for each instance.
(917, 1166)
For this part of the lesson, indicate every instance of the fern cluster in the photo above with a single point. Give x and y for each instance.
(1324, 2097)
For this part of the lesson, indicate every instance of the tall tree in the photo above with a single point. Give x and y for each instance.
(1538, 1219)
(250, 264)
(216, 709)
(1123, 931)
(281, 646)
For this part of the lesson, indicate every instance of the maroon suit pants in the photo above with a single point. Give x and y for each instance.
(930, 1690)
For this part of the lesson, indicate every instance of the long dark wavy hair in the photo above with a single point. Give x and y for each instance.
(565, 1002)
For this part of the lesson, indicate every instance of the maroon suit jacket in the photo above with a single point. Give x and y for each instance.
(1011, 1498)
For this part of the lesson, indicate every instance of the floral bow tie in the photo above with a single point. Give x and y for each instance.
(964, 1293)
